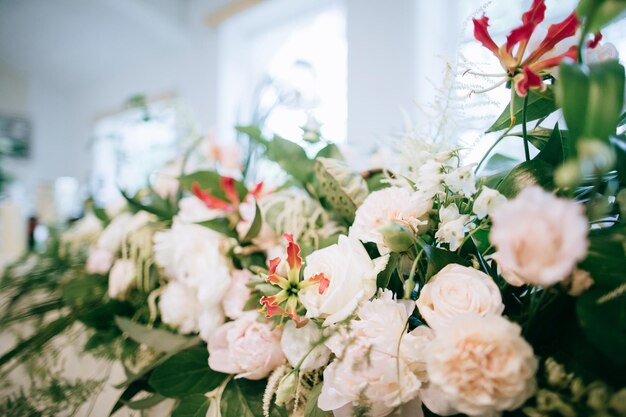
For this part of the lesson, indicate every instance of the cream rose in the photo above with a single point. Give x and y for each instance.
(351, 277)
(246, 347)
(121, 278)
(480, 366)
(303, 345)
(389, 204)
(458, 290)
(539, 238)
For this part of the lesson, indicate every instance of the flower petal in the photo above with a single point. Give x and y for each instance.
(556, 33)
(482, 34)
(293, 252)
(527, 80)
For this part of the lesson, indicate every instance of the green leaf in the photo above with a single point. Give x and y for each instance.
(131, 390)
(591, 98)
(244, 398)
(498, 163)
(220, 225)
(211, 182)
(603, 319)
(253, 132)
(154, 206)
(600, 13)
(330, 151)
(146, 402)
(257, 223)
(343, 189)
(554, 152)
(384, 277)
(192, 406)
(311, 409)
(186, 373)
(540, 136)
(526, 174)
(158, 339)
(438, 258)
(291, 157)
(540, 104)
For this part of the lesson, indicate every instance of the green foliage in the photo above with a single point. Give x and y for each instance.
(211, 182)
(311, 409)
(602, 309)
(341, 188)
(540, 105)
(255, 227)
(158, 339)
(438, 258)
(599, 13)
(591, 98)
(244, 398)
(186, 373)
(220, 225)
(195, 405)
(163, 208)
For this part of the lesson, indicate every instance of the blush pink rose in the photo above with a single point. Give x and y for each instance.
(246, 347)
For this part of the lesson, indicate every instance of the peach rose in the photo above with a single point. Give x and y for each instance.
(479, 366)
(458, 290)
(539, 238)
(246, 347)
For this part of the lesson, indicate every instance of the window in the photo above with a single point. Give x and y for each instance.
(295, 65)
(129, 146)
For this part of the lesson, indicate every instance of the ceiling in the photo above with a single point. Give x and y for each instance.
(75, 42)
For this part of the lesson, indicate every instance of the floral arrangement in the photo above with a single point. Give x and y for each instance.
(429, 288)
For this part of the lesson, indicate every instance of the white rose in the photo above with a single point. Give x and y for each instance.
(99, 261)
(458, 290)
(299, 344)
(539, 238)
(462, 180)
(480, 366)
(451, 226)
(193, 255)
(487, 200)
(378, 364)
(246, 347)
(121, 278)
(238, 294)
(179, 307)
(389, 204)
(351, 275)
(192, 210)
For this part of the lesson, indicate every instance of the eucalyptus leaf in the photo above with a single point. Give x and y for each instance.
(158, 339)
(540, 104)
(196, 405)
(186, 373)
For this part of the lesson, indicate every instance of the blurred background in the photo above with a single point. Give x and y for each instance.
(96, 95)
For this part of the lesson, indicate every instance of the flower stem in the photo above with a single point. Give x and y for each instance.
(502, 136)
(524, 131)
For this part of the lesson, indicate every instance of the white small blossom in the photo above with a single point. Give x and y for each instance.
(487, 200)
(451, 226)
(462, 180)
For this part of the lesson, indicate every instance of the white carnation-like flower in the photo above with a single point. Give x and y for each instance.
(193, 255)
(389, 204)
(121, 278)
(192, 210)
(378, 364)
(179, 307)
(451, 226)
(458, 290)
(480, 366)
(539, 238)
(303, 346)
(487, 200)
(350, 277)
